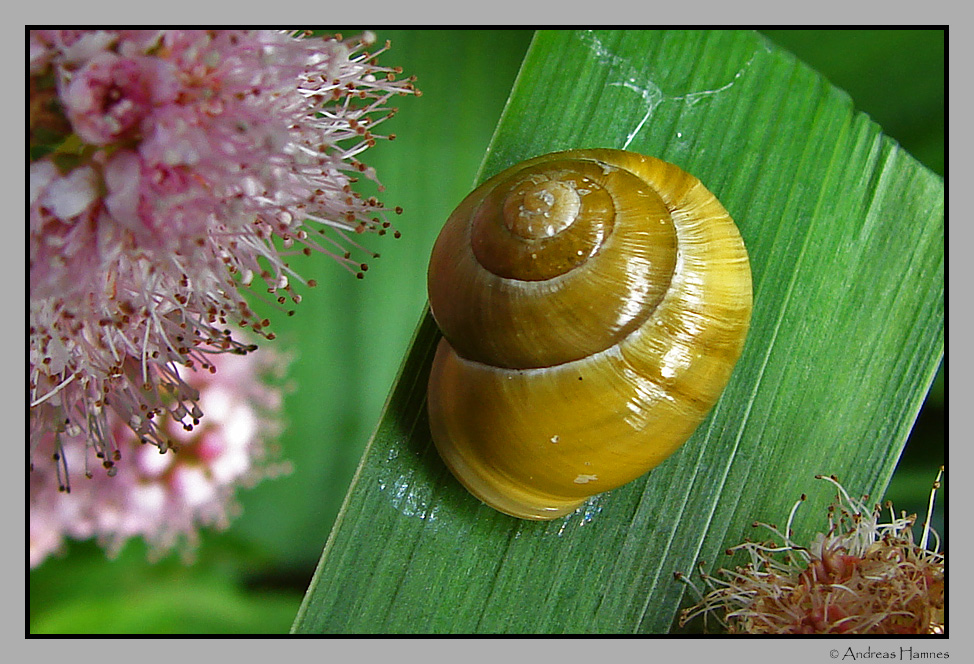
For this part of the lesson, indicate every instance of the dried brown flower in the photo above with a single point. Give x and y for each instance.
(862, 576)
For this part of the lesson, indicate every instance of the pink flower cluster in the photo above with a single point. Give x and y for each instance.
(163, 498)
(169, 171)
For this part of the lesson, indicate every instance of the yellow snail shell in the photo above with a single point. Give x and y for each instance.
(593, 304)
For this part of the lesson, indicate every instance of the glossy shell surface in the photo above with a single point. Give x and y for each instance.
(593, 304)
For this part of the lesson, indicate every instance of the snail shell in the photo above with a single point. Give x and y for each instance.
(593, 304)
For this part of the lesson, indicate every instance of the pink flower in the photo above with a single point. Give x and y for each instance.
(110, 96)
(63, 232)
(172, 170)
(163, 498)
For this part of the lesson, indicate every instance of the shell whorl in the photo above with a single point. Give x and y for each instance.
(597, 278)
(593, 304)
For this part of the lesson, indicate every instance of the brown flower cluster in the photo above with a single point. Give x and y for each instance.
(862, 576)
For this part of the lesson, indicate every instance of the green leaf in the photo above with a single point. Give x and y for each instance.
(206, 607)
(845, 234)
(85, 593)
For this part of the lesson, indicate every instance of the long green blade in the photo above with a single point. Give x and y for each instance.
(845, 233)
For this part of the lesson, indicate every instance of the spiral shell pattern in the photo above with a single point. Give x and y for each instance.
(593, 304)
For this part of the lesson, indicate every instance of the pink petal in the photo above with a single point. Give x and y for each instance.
(70, 195)
(122, 179)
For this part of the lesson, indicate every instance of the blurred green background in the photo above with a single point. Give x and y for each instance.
(349, 336)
